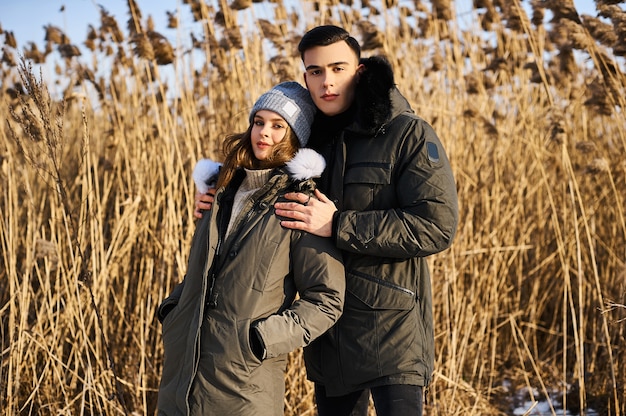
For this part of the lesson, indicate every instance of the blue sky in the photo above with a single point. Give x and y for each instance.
(27, 18)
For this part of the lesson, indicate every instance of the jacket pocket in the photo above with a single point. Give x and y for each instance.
(261, 266)
(368, 172)
(174, 328)
(165, 309)
(363, 183)
(249, 359)
(378, 293)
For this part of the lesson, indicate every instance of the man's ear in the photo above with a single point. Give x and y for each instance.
(359, 71)
(305, 83)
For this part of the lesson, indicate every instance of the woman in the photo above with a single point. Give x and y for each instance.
(228, 327)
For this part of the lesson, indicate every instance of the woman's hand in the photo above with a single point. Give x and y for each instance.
(203, 202)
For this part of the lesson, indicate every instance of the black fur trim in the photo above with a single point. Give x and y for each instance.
(373, 93)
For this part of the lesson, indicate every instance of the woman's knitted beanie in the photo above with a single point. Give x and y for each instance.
(293, 103)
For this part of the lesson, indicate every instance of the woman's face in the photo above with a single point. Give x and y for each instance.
(268, 129)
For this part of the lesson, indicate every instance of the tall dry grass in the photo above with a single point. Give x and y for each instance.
(97, 199)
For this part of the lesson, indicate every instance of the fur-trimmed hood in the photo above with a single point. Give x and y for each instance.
(377, 99)
(306, 164)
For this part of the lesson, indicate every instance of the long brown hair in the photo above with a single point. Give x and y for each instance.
(237, 149)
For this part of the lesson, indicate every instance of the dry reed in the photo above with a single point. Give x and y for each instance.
(97, 198)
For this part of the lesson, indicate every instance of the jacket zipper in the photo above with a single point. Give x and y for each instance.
(213, 295)
(383, 283)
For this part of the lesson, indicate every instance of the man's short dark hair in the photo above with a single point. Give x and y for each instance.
(327, 35)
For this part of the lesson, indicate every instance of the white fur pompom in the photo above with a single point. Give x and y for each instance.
(205, 174)
(307, 163)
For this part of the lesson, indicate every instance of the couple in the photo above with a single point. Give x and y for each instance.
(275, 261)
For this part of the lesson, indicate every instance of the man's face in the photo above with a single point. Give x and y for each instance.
(331, 75)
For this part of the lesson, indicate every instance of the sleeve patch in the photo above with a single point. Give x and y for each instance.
(433, 152)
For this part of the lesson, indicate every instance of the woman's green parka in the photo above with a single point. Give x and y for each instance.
(247, 283)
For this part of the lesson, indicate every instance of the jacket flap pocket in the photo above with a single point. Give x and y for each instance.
(378, 173)
(379, 294)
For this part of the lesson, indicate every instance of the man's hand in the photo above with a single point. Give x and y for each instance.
(203, 202)
(308, 214)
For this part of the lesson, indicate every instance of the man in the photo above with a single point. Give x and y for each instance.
(388, 200)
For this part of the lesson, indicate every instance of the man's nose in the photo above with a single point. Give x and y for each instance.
(329, 80)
